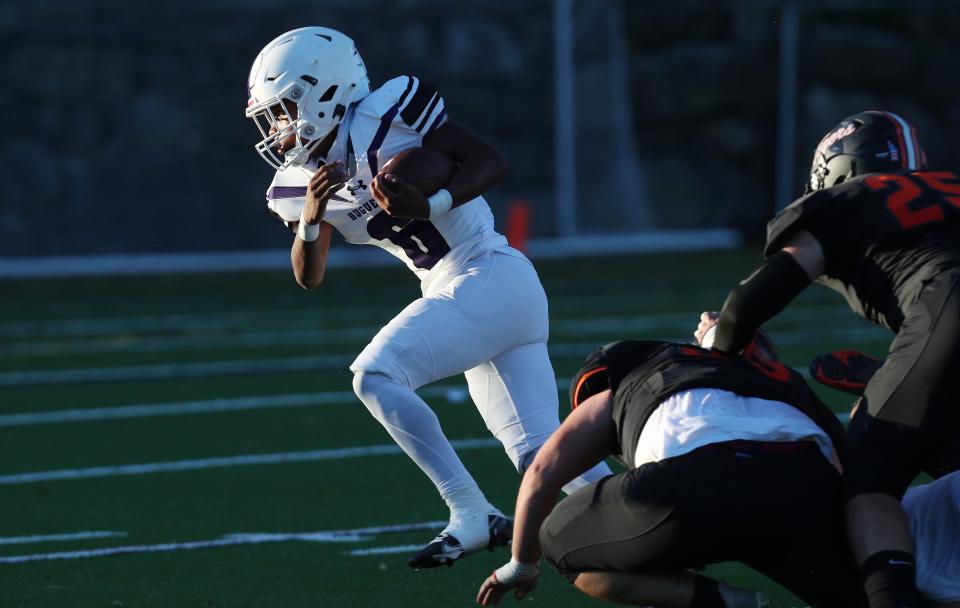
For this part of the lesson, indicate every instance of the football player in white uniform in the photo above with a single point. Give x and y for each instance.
(934, 513)
(483, 312)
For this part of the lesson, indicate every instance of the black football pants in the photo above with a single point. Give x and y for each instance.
(909, 415)
(777, 512)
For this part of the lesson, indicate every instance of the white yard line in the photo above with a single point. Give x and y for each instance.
(452, 394)
(106, 551)
(384, 550)
(177, 408)
(168, 371)
(449, 393)
(337, 317)
(191, 342)
(614, 329)
(53, 538)
(226, 461)
(244, 538)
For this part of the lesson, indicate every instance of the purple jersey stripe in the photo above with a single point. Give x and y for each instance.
(374, 148)
(286, 192)
(426, 115)
(437, 122)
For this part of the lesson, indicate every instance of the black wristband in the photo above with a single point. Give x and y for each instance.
(756, 299)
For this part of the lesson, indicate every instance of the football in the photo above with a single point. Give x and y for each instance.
(423, 168)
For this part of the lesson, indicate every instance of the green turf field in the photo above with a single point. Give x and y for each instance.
(194, 441)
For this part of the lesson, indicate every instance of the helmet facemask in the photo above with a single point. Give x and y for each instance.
(276, 123)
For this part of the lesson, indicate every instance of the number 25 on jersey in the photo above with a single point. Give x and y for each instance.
(917, 199)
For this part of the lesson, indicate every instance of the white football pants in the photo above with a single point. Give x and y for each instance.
(489, 323)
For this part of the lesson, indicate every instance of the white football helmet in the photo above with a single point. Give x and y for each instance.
(318, 70)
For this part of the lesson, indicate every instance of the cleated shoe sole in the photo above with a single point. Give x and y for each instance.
(844, 370)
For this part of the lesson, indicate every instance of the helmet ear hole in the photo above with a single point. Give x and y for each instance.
(329, 93)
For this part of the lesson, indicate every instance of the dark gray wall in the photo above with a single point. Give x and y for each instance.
(124, 131)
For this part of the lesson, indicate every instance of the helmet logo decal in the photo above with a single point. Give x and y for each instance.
(907, 140)
(892, 152)
(837, 135)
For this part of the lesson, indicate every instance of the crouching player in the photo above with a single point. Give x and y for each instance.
(728, 459)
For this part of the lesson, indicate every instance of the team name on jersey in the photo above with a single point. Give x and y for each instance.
(362, 210)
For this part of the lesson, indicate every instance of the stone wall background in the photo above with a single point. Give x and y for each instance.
(124, 132)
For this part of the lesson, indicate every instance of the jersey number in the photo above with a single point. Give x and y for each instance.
(906, 189)
(419, 239)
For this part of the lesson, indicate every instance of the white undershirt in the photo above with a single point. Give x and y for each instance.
(691, 419)
(934, 512)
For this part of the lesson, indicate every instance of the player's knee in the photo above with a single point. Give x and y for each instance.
(368, 385)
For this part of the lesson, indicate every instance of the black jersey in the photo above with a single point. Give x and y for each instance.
(643, 373)
(883, 237)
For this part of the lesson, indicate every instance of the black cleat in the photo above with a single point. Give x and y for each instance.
(844, 370)
(446, 549)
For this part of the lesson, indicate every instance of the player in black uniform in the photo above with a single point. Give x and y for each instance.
(728, 458)
(879, 228)
(849, 371)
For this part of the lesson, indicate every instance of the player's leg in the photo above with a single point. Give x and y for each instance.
(459, 325)
(515, 389)
(709, 506)
(616, 540)
(516, 394)
(415, 428)
(907, 415)
(683, 589)
(402, 357)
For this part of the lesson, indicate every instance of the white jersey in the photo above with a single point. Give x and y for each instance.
(395, 117)
(691, 419)
(934, 513)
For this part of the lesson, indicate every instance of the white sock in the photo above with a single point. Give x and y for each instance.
(467, 500)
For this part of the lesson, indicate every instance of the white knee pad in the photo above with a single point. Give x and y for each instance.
(372, 389)
(364, 383)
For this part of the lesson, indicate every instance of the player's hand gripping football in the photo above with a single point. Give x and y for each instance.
(398, 198)
(493, 589)
(707, 321)
(328, 179)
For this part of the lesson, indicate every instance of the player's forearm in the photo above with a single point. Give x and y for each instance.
(480, 165)
(477, 174)
(536, 498)
(757, 299)
(309, 259)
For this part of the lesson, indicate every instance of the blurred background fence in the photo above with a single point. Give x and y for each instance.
(124, 131)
